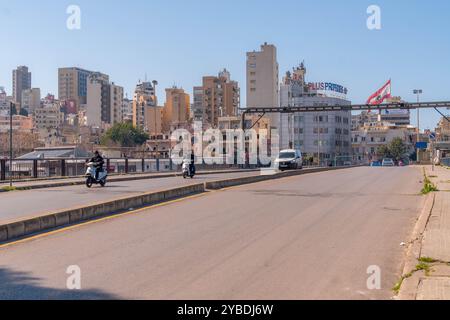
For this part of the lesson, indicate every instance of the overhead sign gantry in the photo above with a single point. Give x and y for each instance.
(351, 107)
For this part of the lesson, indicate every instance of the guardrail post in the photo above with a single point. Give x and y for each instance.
(143, 165)
(108, 164)
(157, 164)
(126, 165)
(63, 168)
(3, 169)
(170, 164)
(35, 168)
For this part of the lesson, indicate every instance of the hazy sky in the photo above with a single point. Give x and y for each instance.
(179, 41)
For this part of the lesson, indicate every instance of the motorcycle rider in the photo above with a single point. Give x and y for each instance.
(192, 164)
(98, 163)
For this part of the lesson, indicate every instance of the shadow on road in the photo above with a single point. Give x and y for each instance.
(15, 285)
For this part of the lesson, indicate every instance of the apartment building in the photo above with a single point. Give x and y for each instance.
(21, 80)
(176, 111)
(72, 84)
(218, 96)
(127, 110)
(48, 116)
(146, 112)
(263, 80)
(104, 101)
(367, 140)
(31, 99)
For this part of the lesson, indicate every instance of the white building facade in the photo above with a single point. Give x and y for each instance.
(325, 136)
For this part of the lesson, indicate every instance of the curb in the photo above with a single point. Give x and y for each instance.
(23, 228)
(408, 290)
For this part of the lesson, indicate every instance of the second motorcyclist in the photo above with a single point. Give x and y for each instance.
(98, 163)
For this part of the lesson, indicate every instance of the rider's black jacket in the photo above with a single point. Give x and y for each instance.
(98, 160)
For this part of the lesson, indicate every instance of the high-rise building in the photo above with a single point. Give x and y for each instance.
(217, 97)
(263, 81)
(176, 109)
(21, 80)
(147, 115)
(31, 99)
(72, 84)
(104, 101)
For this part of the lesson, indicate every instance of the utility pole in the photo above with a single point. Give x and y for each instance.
(418, 92)
(10, 141)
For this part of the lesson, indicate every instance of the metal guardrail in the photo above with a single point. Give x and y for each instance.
(23, 169)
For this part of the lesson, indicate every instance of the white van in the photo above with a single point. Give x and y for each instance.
(289, 159)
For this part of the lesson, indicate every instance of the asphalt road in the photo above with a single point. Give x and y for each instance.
(20, 204)
(303, 237)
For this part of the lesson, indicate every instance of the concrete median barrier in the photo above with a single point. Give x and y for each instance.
(31, 226)
(221, 184)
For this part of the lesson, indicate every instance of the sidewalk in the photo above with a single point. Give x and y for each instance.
(433, 277)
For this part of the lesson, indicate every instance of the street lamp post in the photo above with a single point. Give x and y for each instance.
(418, 92)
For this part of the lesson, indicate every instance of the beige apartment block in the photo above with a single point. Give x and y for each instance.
(153, 120)
(48, 116)
(31, 99)
(176, 109)
(144, 98)
(217, 97)
(262, 80)
(116, 100)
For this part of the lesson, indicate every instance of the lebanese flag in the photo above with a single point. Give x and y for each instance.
(382, 94)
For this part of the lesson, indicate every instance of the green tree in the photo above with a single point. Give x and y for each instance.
(124, 135)
(384, 151)
(398, 149)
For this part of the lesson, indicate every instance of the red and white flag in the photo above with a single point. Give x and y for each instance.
(382, 94)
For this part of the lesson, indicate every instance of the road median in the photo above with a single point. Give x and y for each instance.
(221, 184)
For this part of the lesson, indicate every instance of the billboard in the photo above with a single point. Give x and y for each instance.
(328, 88)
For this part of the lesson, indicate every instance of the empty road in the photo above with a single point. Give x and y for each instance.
(21, 204)
(303, 237)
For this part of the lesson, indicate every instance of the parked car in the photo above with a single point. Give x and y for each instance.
(289, 159)
(375, 163)
(388, 162)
